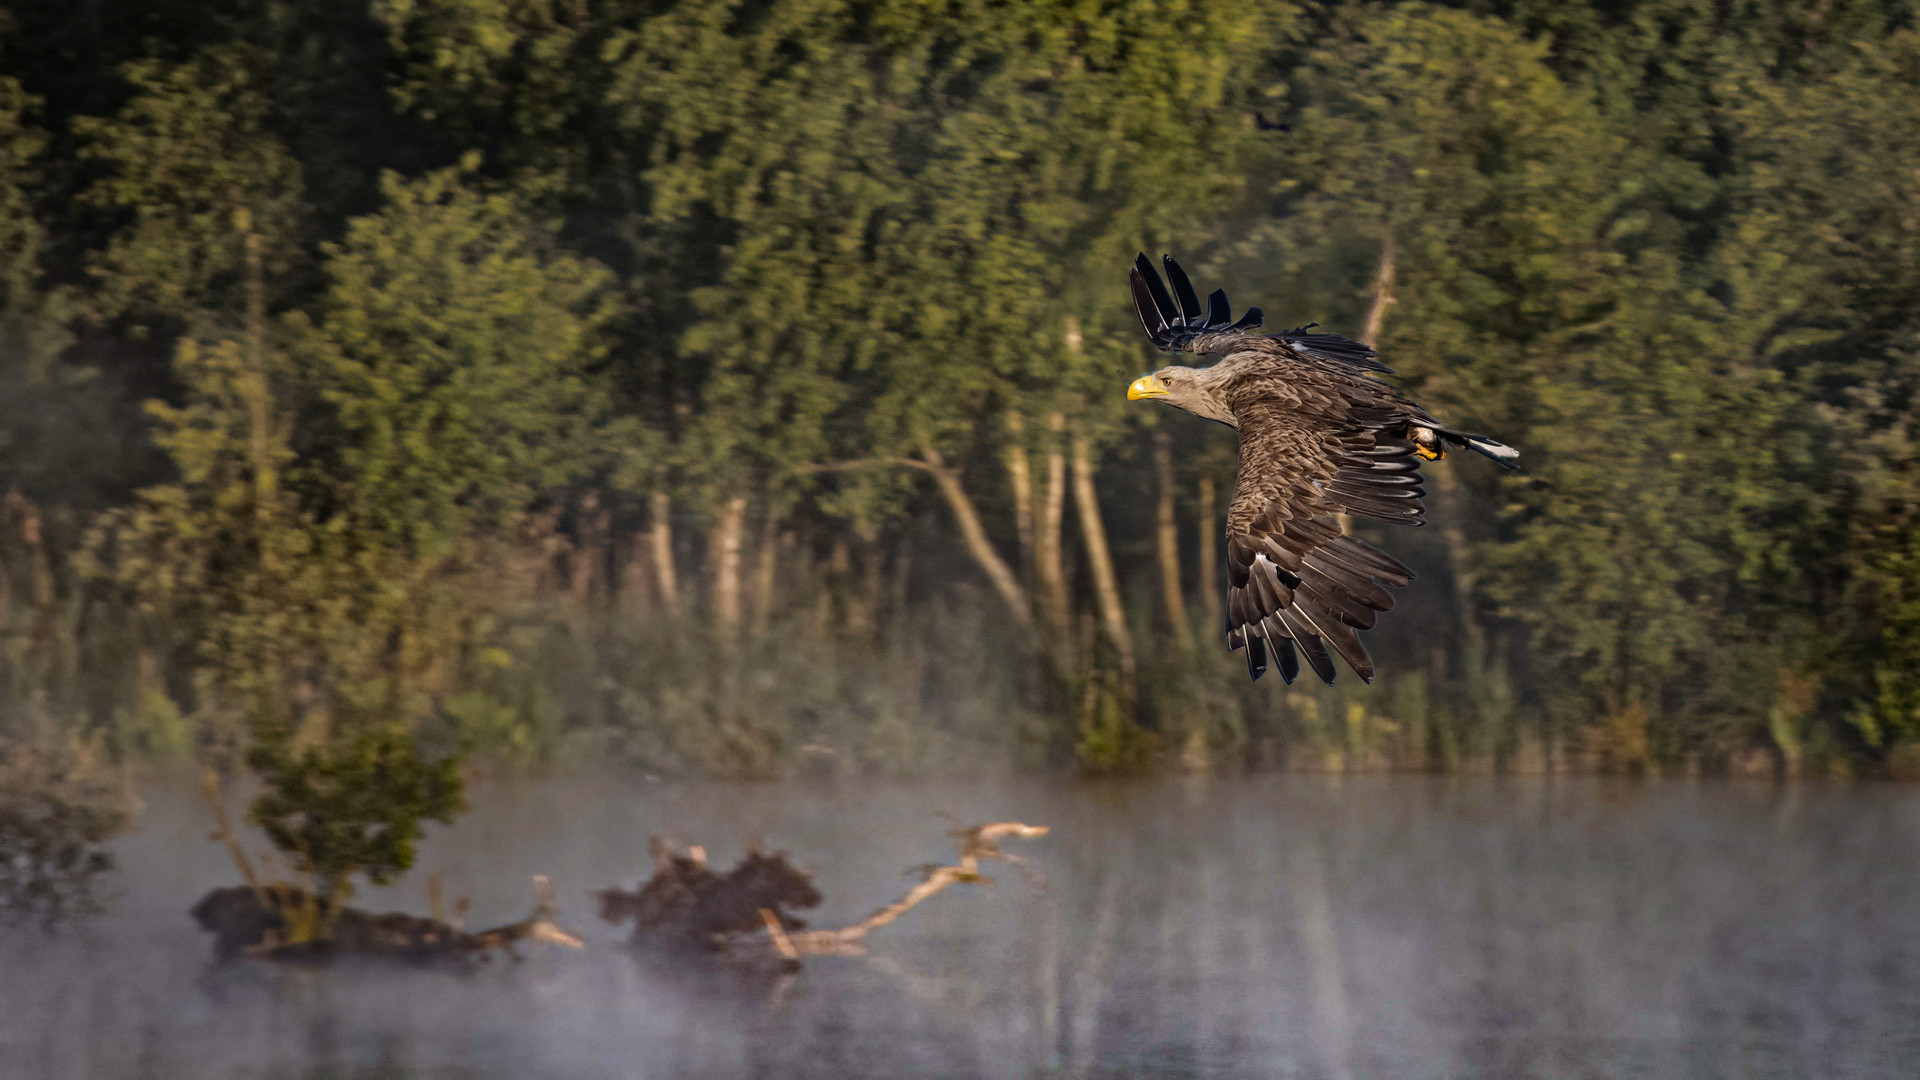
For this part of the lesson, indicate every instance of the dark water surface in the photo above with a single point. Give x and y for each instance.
(1274, 926)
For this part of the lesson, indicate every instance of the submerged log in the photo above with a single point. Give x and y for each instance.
(251, 921)
(742, 914)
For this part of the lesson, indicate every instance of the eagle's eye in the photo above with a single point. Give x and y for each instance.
(1166, 380)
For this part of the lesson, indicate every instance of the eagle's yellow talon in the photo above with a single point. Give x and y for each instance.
(1425, 454)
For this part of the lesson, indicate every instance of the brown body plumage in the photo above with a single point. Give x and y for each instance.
(1320, 436)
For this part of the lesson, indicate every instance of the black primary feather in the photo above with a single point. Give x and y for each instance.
(1175, 321)
(1150, 319)
(1163, 305)
(1218, 312)
(1289, 660)
(1183, 292)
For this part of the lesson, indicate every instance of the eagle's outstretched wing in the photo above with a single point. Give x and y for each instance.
(1294, 580)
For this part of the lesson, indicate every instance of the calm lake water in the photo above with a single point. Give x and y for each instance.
(1283, 926)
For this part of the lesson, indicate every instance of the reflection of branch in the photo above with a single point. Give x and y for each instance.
(974, 845)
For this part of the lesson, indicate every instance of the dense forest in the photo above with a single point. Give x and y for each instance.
(736, 387)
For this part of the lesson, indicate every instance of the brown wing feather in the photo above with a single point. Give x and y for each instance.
(1315, 444)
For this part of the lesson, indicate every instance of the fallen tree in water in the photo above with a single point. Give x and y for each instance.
(745, 913)
(253, 920)
(279, 920)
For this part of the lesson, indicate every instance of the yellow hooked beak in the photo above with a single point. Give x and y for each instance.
(1146, 386)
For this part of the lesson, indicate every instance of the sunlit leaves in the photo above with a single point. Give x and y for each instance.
(453, 354)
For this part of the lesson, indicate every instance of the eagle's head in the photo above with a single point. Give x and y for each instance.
(1184, 388)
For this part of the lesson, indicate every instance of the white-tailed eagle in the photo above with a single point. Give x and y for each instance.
(1320, 436)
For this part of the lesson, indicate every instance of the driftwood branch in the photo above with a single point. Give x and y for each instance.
(223, 832)
(747, 913)
(973, 845)
(542, 926)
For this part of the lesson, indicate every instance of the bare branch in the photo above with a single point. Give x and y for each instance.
(973, 845)
(972, 531)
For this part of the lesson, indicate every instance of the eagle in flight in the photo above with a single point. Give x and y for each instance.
(1320, 436)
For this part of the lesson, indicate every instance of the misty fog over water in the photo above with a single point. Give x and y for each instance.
(1273, 926)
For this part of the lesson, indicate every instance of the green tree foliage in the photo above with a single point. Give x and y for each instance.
(874, 183)
(337, 489)
(431, 397)
(33, 336)
(201, 185)
(451, 361)
(1842, 325)
(353, 808)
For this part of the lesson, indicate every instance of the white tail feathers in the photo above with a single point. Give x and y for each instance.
(1500, 452)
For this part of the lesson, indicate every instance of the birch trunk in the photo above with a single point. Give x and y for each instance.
(725, 549)
(1169, 544)
(1020, 478)
(1444, 482)
(1048, 570)
(979, 545)
(636, 584)
(1106, 587)
(660, 543)
(766, 563)
(1383, 298)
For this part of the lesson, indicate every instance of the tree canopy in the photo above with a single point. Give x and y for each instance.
(484, 344)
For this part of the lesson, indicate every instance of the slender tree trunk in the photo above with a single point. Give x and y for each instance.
(1444, 482)
(979, 545)
(836, 587)
(1447, 485)
(1169, 544)
(872, 583)
(636, 584)
(1210, 584)
(900, 581)
(766, 563)
(728, 532)
(1383, 298)
(588, 564)
(660, 544)
(1020, 477)
(1106, 585)
(1048, 569)
(258, 389)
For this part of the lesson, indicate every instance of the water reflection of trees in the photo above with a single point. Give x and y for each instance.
(58, 807)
